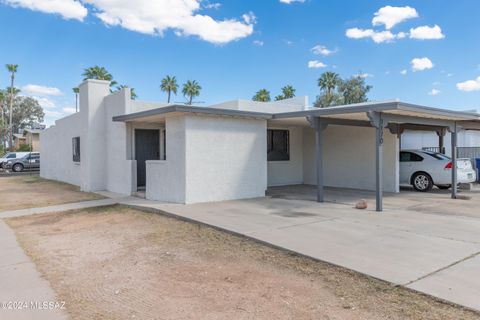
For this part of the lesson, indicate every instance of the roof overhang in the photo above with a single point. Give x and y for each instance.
(159, 114)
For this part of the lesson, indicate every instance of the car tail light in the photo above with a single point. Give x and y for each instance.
(448, 166)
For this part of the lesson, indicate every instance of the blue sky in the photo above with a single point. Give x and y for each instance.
(235, 47)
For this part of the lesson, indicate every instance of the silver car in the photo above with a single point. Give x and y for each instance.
(31, 161)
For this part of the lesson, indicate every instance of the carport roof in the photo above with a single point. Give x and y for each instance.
(355, 112)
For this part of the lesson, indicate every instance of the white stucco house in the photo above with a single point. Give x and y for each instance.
(234, 150)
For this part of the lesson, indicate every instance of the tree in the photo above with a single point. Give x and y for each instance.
(12, 68)
(76, 90)
(169, 85)
(27, 113)
(288, 92)
(354, 90)
(98, 73)
(133, 94)
(190, 90)
(262, 95)
(328, 81)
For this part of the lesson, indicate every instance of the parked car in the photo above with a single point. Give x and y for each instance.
(425, 169)
(11, 155)
(30, 161)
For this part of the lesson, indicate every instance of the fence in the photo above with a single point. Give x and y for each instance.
(472, 153)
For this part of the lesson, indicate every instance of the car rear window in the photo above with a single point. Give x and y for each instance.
(436, 155)
(410, 157)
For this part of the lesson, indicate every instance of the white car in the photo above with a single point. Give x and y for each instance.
(425, 169)
(11, 155)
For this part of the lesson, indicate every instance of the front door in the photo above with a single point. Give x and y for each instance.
(147, 147)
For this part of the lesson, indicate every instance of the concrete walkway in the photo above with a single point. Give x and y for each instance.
(435, 254)
(21, 282)
(58, 208)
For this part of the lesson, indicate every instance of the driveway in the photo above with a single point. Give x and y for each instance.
(432, 246)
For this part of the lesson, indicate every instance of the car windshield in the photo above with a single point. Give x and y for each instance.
(436, 155)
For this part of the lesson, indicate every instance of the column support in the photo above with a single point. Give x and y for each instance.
(319, 126)
(377, 121)
(441, 140)
(454, 161)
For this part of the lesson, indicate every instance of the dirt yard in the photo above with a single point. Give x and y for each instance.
(120, 263)
(22, 192)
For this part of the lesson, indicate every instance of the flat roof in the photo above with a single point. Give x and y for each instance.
(345, 112)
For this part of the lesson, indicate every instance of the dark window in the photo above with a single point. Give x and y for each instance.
(410, 157)
(12, 156)
(76, 149)
(278, 145)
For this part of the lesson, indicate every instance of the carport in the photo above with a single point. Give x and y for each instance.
(394, 116)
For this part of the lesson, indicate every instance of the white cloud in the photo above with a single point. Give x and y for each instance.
(426, 33)
(469, 85)
(291, 1)
(45, 102)
(376, 36)
(323, 50)
(363, 75)
(150, 17)
(52, 113)
(33, 89)
(69, 110)
(391, 16)
(434, 92)
(420, 64)
(403, 72)
(258, 43)
(315, 64)
(68, 9)
(214, 5)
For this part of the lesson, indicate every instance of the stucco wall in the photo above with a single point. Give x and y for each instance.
(56, 151)
(349, 155)
(225, 158)
(166, 178)
(288, 172)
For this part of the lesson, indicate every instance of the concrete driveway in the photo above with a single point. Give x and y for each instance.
(433, 246)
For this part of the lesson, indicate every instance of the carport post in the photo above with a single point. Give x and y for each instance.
(377, 122)
(319, 127)
(454, 161)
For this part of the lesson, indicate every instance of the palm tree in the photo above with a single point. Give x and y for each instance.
(328, 81)
(133, 94)
(262, 95)
(98, 73)
(76, 90)
(191, 89)
(2, 119)
(288, 92)
(12, 68)
(169, 85)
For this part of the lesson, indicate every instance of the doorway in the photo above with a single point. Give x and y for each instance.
(147, 147)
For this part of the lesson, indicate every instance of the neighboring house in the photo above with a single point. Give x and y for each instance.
(32, 138)
(18, 139)
(232, 150)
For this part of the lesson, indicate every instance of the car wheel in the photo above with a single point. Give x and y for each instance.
(17, 167)
(444, 187)
(422, 182)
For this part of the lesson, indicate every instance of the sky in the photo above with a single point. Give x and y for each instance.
(424, 52)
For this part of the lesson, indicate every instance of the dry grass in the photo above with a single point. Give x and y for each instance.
(118, 263)
(22, 192)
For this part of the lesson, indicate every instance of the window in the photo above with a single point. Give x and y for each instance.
(437, 155)
(76, 149)
(278, 145)
(410, 157)
(11, 156)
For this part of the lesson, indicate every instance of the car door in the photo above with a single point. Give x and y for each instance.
(406, 167)
(34, 161)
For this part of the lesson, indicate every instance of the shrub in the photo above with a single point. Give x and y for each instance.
(24, 147)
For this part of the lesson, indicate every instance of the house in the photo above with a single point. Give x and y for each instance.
(32, 138)
(18, 139)
(233, 150)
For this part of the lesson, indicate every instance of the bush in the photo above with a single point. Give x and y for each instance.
(24, 148)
